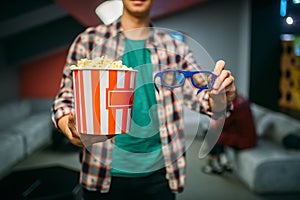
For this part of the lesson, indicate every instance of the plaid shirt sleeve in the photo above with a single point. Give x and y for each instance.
(64, 102)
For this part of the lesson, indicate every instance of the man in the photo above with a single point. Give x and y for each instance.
(115, 169)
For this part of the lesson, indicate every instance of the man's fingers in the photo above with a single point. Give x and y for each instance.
(220, 65)
(231, 92)
(223, 89)
(74, 136)
(67, 125)
(72, 126)
(222, 82)
(77, 142)
(228, 81)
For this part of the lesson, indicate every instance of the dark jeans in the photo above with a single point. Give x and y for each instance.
(152, 187)
(217, 150)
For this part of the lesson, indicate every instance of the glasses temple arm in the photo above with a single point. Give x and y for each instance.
(156, 75)
(200, 90)
(156, 87)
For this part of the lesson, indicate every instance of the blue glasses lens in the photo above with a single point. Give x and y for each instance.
(173, 78)
(203, 80)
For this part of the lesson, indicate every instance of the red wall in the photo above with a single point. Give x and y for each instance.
(40, 78)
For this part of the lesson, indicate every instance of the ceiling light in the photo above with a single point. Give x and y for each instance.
(296, 1)
(109, 11)
(289, 20)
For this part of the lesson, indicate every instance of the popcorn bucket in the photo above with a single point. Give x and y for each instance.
(103, 100)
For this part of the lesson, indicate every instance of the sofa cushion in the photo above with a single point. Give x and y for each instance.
(12, 112)
(269, 168)
(11, 150)
(35, 130)
(275, 126)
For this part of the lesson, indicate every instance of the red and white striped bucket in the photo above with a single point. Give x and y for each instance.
(103, 100)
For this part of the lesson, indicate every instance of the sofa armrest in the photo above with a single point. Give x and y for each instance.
(40, 104)
(36, 131)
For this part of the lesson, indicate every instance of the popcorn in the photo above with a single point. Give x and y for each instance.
(99, 62)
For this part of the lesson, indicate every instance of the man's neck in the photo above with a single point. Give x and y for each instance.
(131, 22)
(137, 25)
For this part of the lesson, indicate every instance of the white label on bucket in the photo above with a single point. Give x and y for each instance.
(119, 98)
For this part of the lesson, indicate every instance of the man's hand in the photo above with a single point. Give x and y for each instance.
(67, 125)
(224, 90)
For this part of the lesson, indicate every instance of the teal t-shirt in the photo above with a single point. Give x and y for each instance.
(138, 153)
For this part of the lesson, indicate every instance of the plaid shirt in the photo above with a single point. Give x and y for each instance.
(166, 52)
